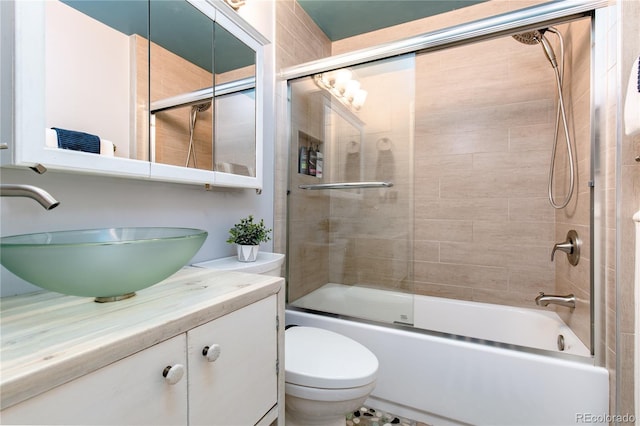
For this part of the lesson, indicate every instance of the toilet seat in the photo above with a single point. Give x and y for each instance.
(318, 358)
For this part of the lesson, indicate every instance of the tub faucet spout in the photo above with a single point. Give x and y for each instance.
(568, 301)
(40, 195)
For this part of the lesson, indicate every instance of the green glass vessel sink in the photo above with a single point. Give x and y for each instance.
(108, 264)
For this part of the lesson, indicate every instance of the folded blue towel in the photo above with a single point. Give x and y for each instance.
(78, 141)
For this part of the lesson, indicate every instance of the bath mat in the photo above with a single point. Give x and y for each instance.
(366, 416)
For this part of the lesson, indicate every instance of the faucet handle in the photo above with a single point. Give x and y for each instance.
(571, 246)
(566, 247)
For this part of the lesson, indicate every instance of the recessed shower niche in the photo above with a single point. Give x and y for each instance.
(310, 155)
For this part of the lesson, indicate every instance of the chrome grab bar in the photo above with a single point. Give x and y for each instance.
(347, 185)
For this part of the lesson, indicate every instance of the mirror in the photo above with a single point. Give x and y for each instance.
(88, 84)
(180, 73)
(193, 125)
(158, 81)
(235, 105)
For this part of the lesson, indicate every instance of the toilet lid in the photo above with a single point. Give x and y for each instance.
(320, 358)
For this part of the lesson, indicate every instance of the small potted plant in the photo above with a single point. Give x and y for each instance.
(247, 236)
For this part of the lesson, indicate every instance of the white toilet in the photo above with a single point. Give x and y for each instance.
(327, 375)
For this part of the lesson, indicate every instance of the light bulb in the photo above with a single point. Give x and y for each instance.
(358, 98)
(351, 88)
(341, 78)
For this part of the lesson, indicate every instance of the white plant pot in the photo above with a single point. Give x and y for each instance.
(247, 253)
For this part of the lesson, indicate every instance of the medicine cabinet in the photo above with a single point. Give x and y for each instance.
(173, 88)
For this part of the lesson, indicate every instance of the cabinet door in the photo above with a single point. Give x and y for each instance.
(239, 386)
(131, 391)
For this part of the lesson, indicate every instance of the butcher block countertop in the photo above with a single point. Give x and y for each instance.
(48, 339)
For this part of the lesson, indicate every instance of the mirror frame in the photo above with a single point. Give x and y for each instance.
(26, 69)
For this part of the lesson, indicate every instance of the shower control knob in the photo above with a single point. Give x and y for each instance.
(571, 246)
(173, 373)
(211, 353)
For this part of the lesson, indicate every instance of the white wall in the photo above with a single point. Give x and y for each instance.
(88, 201)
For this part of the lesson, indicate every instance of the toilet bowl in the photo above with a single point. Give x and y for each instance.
(327, 375)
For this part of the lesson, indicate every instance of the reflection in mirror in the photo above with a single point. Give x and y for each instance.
(138, 77)
(343, 133)
(235, 105)
(184, 71)
(88, 76)
(181, 58)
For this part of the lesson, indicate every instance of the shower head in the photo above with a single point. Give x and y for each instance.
(537, 37)
(201, 107)
(530, 37)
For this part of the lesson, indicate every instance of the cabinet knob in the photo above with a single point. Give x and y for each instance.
(211, 353)
(173, 373)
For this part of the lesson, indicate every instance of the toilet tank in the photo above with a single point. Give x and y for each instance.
(266, 264)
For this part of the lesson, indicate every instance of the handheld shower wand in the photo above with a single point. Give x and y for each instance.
(544, 42)
(538, 37)
(193, 116)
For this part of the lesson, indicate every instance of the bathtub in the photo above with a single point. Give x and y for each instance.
(508, 372)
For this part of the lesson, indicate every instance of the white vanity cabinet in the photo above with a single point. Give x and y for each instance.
(233, 367)
(131, 391)
(201, 350)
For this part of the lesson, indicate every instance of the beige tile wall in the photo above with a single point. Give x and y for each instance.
(628, 25)
(485, 117)
(298, 38)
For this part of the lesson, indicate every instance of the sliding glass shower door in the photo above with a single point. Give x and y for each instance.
(350, 191)
(439, 183)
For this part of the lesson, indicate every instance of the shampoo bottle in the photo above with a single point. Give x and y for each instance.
(303, 165)
(313, 158)
(319, 163)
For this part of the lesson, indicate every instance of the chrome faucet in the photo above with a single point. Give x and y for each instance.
(568, 301)
(40, 195)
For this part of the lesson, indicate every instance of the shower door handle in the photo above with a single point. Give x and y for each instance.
(347, 185)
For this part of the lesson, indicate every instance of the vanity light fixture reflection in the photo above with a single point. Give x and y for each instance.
(235, 4)
(343, 86)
